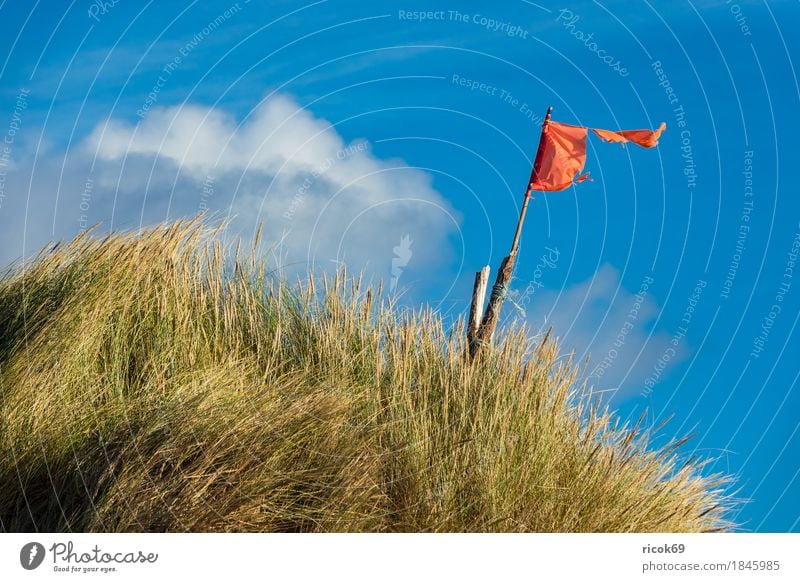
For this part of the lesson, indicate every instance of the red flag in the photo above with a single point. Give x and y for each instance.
(643, 137)
(561, 156)
(562, 152)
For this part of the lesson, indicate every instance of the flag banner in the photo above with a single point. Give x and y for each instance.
(646, 138)
(561, 156)
(562, 152)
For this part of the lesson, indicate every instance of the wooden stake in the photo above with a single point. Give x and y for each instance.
(476, 307)
(503, 280)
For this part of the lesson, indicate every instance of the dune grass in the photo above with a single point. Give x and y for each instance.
(158, 382)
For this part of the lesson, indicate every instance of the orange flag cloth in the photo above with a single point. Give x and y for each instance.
(643, 137)
(562, 152)
(561, 156)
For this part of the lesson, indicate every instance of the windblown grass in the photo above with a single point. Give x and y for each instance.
(155, 382)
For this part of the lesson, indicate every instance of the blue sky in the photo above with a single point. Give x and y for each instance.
(400, 143)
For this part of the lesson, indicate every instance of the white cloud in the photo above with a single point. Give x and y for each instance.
(325, 199)
(610, 325)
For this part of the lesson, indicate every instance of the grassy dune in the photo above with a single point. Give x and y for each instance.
(157, 382)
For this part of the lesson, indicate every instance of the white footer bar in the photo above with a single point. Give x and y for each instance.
(227, 557)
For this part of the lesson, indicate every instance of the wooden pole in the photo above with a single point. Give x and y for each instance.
(476, 307)
(503, 279)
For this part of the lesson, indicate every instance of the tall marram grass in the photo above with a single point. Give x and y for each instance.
(158, 382)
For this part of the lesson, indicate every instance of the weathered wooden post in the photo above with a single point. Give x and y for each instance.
(488, 325)
(476, 307)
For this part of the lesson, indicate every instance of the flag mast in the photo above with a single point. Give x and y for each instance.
(558, 162)
(536, 163)
(484, 332)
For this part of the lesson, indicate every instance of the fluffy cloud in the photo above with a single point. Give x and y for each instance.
(608, 325)
(322, 200)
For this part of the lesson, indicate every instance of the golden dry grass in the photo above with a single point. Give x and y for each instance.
(157, 382)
